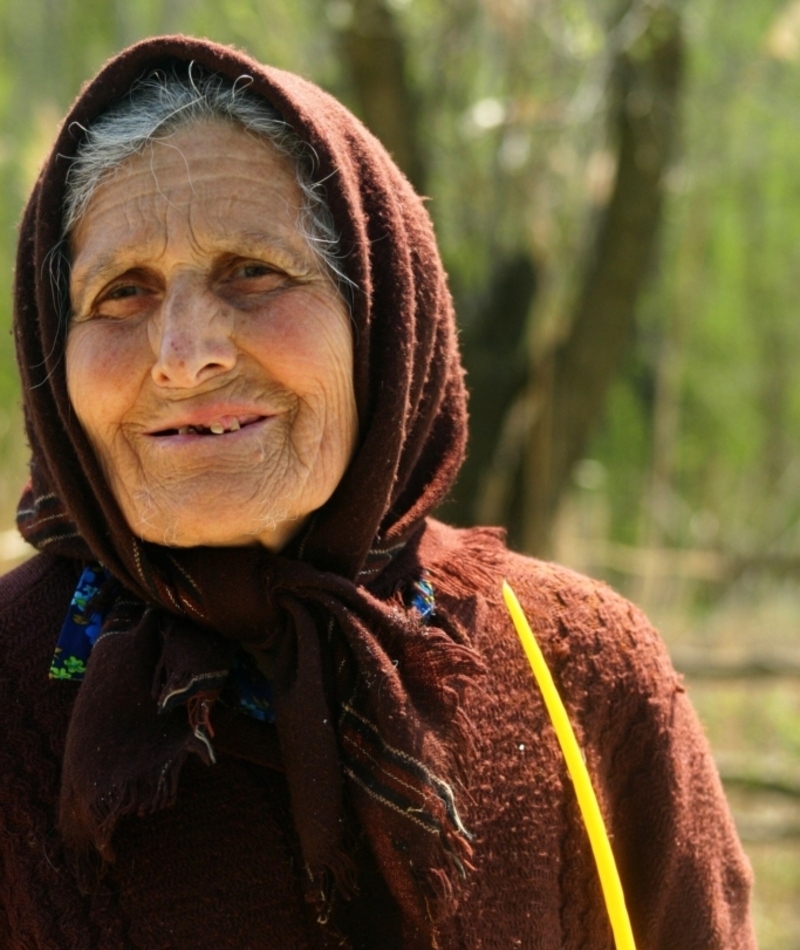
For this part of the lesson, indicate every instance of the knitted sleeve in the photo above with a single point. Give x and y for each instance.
(686, 880)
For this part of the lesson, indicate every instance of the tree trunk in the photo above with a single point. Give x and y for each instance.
(494, 355)
(374, 55)
(570, 382)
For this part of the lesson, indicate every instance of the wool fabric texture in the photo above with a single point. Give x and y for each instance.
(222, 869)
(410, 794)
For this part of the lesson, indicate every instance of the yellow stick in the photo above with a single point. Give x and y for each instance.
(587, 800)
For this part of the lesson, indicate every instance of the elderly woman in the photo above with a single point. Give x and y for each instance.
(285, 707)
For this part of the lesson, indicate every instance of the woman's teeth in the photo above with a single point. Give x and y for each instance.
(216, 428)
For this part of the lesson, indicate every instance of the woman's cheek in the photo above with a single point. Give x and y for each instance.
(105, 363)
(307, 347)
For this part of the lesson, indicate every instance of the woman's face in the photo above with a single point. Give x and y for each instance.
(209, 358)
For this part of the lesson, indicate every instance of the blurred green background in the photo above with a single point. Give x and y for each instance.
(616, 189)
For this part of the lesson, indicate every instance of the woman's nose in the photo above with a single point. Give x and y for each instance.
(191, 337)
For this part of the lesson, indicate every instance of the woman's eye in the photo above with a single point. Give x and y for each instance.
(122, 301)
(254, 269)
(119, 293)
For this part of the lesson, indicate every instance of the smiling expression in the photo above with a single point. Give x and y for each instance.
(209, 357)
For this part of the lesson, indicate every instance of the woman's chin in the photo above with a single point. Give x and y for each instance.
(209, 528)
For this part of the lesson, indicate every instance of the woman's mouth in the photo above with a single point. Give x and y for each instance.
(220, 426)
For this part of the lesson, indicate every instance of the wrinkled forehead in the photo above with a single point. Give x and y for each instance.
(197, 151)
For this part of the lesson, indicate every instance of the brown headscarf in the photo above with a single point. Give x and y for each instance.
(366, 697)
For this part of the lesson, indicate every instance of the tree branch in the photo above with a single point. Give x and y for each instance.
(711, 665)
(757, 783)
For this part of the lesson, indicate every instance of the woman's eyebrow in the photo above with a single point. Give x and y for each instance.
(102, 269)
(256, 241)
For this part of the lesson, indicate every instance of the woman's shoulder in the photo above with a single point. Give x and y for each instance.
(586, 630)
(586, 615)
(34, 598)
(40, 576)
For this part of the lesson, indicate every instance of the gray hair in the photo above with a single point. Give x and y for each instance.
(160, 105)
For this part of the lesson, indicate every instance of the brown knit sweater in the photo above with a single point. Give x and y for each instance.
(220, 869)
